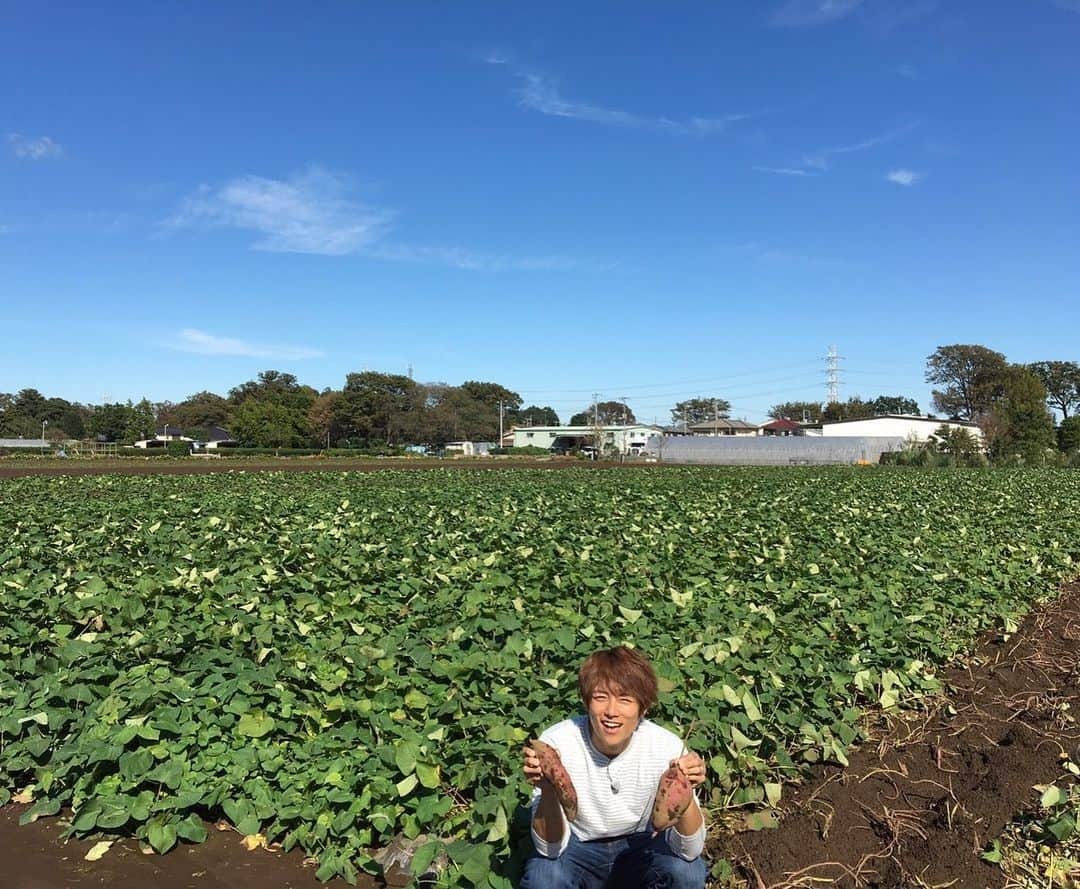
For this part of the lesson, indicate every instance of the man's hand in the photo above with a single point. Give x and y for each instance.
(693, 766)
(531, 767)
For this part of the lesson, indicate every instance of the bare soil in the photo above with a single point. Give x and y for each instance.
(34, 857)
(918, 803)
(158, 466)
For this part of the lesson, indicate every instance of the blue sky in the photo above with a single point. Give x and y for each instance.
(644, 201)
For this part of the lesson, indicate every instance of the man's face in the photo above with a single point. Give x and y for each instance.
(613, 717)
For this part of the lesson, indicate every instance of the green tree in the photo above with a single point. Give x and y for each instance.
(201, 410)
(894, 404)
(970, 377)
(1068, 435)
(263, 423)
(320, 419)
(282, 391)
(377, 406)
(31, 403)
(799, 411)
(852, 409)
(537, 416)
(491, 394)
(606, 413)
(140, 421)
(700, 410)
(272, 385)
(961, 444)
(1062, 382)
(1019, 424)
(109, 422)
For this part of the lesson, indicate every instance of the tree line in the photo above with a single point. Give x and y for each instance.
(1010, 402)
(276, 410)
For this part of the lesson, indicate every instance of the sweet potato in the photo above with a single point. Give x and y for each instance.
(552, 768)
(673, 797)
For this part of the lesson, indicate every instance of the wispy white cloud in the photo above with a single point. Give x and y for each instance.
(313, 213)
(472, 260)
(802, 13)
(785, 171)
(818, 161)
(1071, 5)
(540, 92)
(778, 255)
(309, 213)
(903, 177)
(202, 343)
(34, 149)
(909, 72)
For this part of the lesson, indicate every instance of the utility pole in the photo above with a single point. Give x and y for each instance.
(500, 423)
(832, 374)
(596, 423)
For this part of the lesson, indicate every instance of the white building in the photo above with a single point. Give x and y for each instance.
(613, 439)
(469, 448)
(905, 426)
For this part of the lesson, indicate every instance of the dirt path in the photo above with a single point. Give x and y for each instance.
(917, 805)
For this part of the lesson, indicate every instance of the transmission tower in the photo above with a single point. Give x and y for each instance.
(832, 374)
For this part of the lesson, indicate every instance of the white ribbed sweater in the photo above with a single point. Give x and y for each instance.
(615, 795)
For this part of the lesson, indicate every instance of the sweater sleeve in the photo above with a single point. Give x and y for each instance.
(687, 848)
(543, 847)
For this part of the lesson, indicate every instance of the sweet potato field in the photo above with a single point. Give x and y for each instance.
(332, 660)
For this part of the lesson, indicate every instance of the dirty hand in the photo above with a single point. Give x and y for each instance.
(531, 766)
(693, 766)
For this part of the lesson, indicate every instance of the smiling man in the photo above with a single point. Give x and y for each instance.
(614, 757)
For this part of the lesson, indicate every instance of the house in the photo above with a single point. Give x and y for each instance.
(160, 439)
(781, 428)
(630, 439)
(723, 426)
(908, 427)
(216, 437)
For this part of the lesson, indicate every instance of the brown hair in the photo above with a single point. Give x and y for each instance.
(622, 670)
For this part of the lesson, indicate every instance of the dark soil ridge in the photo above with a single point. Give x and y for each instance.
(921, 799)
(293, 464)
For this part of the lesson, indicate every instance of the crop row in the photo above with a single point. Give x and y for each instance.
(331, 660)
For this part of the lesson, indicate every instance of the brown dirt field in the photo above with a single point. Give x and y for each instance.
(34, 857)
(920, 800)
(298, 464)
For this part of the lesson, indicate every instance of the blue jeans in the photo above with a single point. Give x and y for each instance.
(638, 861)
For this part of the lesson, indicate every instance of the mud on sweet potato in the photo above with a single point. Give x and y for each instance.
(552, 768)
(673, 797)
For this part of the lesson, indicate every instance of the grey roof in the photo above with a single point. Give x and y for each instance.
(722, 423)
(24, 443)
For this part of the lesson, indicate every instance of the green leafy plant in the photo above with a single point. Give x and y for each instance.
(335, 660)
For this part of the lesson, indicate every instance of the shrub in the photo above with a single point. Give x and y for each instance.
(178, 448)
(1068, 435)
